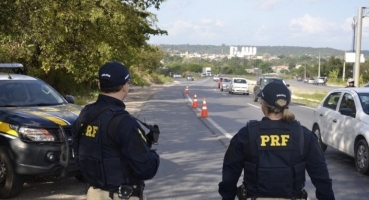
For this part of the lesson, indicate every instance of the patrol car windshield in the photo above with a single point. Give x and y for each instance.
(28, 93)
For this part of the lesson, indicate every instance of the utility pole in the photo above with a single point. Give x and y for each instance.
(319, 67)
(358, 46)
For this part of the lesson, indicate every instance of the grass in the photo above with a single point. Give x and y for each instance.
(312, 100)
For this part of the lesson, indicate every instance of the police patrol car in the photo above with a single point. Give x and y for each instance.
(35, 130)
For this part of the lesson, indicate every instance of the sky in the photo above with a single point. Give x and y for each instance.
(302, 23)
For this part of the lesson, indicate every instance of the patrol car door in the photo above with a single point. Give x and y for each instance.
(348, 124)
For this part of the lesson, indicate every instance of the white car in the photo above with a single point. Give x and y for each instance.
(238, 85)
(320, 81)
(215, 78)
(224, 84)
(341, 121)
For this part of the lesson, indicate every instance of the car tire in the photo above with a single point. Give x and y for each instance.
(247, 93)
(221, 89)
(362, 157)
(10, 183)
(316, 130)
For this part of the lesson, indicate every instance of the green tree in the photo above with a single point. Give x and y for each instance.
(72, 39)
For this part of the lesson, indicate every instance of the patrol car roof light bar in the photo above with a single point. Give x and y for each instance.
(19, 66)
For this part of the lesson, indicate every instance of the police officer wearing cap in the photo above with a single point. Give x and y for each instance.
(274, 154)
(110, 147)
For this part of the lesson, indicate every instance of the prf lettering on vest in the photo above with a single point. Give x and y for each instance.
(91, 131)
(274, 140)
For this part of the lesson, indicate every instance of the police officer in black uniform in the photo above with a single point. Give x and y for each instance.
(274, 154)
(110, 147)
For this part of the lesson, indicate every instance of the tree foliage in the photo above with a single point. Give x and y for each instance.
(70, 40)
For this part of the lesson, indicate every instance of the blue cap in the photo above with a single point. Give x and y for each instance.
(273, 91)
(114, 74)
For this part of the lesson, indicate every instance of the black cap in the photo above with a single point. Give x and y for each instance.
(273, 92)
(114, 74)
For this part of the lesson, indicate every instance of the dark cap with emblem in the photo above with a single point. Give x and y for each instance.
(113, 74)
(273, 92)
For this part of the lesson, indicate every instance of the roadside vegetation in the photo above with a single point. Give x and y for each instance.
(311, 100)
(65, 42)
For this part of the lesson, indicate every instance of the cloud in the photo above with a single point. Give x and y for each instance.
(204, 29)
(262, 33)
(310, 25)
(267, 4)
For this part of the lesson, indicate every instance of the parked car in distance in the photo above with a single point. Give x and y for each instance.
(203, 74)
(190, 77)
(341, 121)
(311, 80)
(262, 81)
(176, 76)
(215, 77)
(224, 84)
(238, 85)
(299, 78)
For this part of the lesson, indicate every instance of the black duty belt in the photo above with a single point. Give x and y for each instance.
(126, 191)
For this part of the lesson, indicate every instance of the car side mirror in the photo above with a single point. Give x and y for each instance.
(288, 85)
(69, 98)
(348, 112)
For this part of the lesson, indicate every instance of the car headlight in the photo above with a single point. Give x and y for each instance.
(36, 134)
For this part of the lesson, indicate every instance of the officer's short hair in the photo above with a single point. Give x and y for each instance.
(112, 89)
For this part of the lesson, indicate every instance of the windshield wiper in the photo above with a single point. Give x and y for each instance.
(8, 105)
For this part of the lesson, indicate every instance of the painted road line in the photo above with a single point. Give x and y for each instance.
(229, 136)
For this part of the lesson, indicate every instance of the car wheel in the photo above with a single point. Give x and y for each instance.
(316, 130)
(247, 93)
(362, 157)
(10, 183)
(221, 89)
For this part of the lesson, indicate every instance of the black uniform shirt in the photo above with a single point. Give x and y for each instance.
(234, 160)
(143, 161)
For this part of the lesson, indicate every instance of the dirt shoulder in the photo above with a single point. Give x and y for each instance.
(138, 96)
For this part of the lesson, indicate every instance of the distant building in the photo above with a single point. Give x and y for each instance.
(245, 52)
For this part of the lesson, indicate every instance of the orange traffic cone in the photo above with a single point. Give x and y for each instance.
(204, 110)
(194, 103)
(186, 91)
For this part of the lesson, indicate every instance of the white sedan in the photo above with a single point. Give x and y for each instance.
(341, 121)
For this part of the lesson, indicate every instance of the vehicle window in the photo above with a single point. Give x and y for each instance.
(332, 100)
(348, 102)
(239, 81)
(269, 80)
(28, 93)
(226, 80)
(259, 81)
(364, 100)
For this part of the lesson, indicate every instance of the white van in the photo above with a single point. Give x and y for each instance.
(239, 85)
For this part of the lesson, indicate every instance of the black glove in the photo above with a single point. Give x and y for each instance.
(153, 135)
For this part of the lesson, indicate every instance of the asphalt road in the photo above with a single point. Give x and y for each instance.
(192, 148)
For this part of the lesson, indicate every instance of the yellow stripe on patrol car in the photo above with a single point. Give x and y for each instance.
(5, 128)
(49, 117)
(143, 137)
(74, 110)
